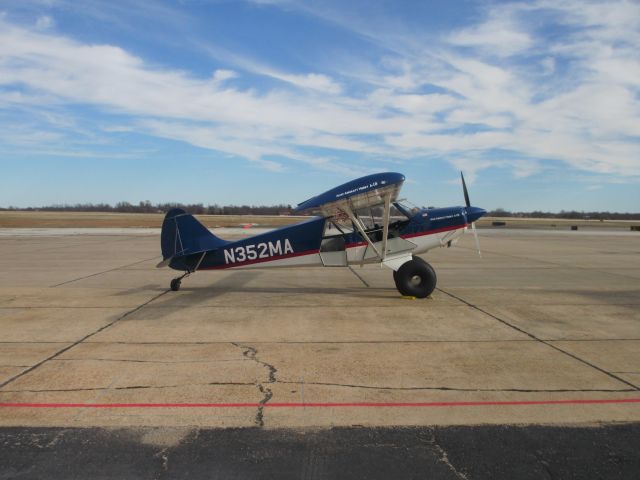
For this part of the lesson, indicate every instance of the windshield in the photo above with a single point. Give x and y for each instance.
(371, 218)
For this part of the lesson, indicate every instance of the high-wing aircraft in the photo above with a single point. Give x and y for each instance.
(357, 223)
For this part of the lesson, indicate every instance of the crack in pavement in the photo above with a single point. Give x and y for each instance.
(456, 389)
(142, 361)
(251, 353)
(543, 463)
(132, 387)
(163, 455)
(77, 342)
(442, 455)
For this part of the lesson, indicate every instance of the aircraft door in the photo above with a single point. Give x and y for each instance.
(333, 252)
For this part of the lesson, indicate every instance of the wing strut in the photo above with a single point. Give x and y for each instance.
(356, 221)
(385, 224)
(385, 227)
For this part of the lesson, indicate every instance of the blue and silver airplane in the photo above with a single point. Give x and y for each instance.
(360, 222)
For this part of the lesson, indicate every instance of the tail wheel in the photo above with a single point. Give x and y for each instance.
(416, 278)
(175, 284)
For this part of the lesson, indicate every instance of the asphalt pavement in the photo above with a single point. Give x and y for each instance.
(466, 452)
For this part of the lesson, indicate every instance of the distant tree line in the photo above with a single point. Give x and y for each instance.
(567, 214)
(281, 209)
(148, 207)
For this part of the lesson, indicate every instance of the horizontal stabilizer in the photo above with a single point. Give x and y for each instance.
(164, 263)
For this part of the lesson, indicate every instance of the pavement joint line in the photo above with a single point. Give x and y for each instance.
(106, 271)
(359, 277)
(342, 307)
(443, 389)
(61, 247)
(131, 360)
(457, 389)
(482, 403)
(139, 387)
(98, 395)
(64, 308)
(324, 342)
(563, 265)
(69, 347)
(544, 342)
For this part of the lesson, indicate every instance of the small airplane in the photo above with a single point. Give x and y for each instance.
(359, 222)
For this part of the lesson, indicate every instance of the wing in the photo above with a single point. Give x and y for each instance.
(363, 192)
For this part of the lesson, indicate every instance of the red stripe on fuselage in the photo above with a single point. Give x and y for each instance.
(412, 235)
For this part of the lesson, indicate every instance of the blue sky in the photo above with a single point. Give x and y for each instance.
(272, 101)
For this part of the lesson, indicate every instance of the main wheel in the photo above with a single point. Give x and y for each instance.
(417, 259)
(416, 278)
(420, 259)
(175, 284)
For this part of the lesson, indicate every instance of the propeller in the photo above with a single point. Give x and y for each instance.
(464, 189)
(473, 224)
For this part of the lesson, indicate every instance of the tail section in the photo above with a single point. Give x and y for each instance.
(183, 235)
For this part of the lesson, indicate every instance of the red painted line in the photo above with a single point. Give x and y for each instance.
(323, 405)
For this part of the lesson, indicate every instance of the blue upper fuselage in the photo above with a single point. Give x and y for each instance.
(426, 221)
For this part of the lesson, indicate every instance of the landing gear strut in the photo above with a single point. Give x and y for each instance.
(175, 283)
(416, 278)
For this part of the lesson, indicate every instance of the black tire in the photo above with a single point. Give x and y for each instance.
(418, 259)
(175, 284)
(416, 278)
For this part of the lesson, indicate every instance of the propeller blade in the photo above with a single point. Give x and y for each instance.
(475, 236)
(464, 189)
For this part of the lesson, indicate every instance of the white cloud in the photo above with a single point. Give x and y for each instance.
(311, 81)
(496, 86)
(548, 65)
(221, 76)
(44, 22)
(499, 35)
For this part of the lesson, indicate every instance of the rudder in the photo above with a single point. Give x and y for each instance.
(183, 235)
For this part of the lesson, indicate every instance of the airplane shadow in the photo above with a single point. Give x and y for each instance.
(195, 295)
(360, 291)
(149, 287)
(236, 282)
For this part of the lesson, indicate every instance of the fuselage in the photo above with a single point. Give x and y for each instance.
(305, 244)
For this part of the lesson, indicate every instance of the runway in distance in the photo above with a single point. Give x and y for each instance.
(359, 222)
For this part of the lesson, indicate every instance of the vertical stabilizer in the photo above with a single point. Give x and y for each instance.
(183, 235)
